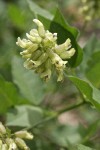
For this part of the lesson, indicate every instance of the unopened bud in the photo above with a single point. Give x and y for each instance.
(63, 47)
(21, 144)
(67, 54)
(32, 48)
(40, 60)
(36, 55)
(34, 32)
(25, 52)
(2, 128)
(41, 29)
(59, 63)
(35, 39)
(24, 135)
(32, 38)
(21, 43)
(26, 56)
(28, 64)
(11, 144)
(46, 75)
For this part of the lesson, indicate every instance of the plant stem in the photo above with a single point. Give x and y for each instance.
(71, 107)
(56, 114)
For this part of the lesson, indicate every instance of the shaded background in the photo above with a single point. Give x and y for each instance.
(81, 125)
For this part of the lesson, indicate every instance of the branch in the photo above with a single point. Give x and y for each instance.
(56, 114)
(71, 107)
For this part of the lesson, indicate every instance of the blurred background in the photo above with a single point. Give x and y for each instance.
(81, 125)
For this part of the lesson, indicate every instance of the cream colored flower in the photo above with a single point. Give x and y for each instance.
(24, 135)
(42, 53)
(9, 141)
(21, 144)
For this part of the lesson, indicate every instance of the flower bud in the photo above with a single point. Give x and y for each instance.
(26, 56)
(23, 43)
(35, 39)
(41, 29)
(24, 135)
(28, 64)
(67, 54)
(63, 47)
(21, 144)
(59, 63)
(2, 128)
(32, 48)
(11, 144)
(36, 55)
(40, 60)
(34, 32)
(40, 69)
(49, 40)
(46, 75)
(31, 38)
(25, 52)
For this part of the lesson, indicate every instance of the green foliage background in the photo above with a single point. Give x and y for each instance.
(45, 108)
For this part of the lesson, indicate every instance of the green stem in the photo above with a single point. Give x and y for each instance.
(56, 114)
(71, 107)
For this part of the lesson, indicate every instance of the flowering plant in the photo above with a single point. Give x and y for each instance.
(43, 54)
(50, 79)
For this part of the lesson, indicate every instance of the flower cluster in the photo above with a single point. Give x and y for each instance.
(13, 141)
(43, 54)
(91, 9)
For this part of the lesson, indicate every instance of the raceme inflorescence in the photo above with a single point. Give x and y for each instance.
(43, 54)
(15, 141)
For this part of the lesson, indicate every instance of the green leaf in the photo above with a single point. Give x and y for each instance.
(92, 70)
(38, 10)
(91, 46)
(65, 135)
(65, 31)
(46, 22)
(24, 116)
(91, 131)
(58, 18)
(8, 95)
(89, 92)
(29, 83)
(82, 147)
(91, 61)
